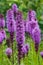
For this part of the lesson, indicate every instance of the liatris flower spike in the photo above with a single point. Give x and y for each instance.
(20, 29)
(30, 26)
(25, 49)
(31, 15)
(9, 52)
(2, 21)
(41, 53)
(14, 7)
(20, 34)
(10, 21)
(36, 35)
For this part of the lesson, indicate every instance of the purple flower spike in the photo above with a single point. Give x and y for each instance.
(9, 51)
(30, 26)
(41, 53)
(25, 49)
(31, 15)
(20, 34)
(10, 21)
(1, 38)
(20, 31)
(36, 37)
(3, 33)
(2, 21)
(14, 7)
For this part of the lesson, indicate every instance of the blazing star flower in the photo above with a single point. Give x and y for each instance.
(36, 37)
(41, 53)
(25, 49)
(1, 38)
(20, 31)
(30, 26)
(9, 51)
(14, 7)
(31, 15)
(3, 33)
(20, 34)
(2, 21)
(10, 21)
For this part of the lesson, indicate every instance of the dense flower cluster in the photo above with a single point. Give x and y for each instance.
(2, 31)
(10, 21)
(30, 21)
(31, 15)
(14, 7)
(32, 28)
(20, 31)
(25, 49)
(20, 34)
(36, 37)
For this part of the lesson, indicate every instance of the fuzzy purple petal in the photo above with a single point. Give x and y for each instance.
(2, 21)
(14, 7)
(10, 21)
(36, 35)
(9, 51)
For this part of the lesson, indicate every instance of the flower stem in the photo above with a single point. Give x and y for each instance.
(12, 55)
(11, 39)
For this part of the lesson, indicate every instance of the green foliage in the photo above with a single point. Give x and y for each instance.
(31, 59)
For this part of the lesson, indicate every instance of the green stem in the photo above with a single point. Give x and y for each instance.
(12, 55)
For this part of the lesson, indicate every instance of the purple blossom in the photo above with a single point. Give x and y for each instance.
(20, 34)
(3, 33)
(2, 21)
(25, 49)
(30, 26)
(10, 21)
(9, 51)
(41, 53)
(14, 7)
(20, 31)
(1, 38)
(31, 15)
(36, 35)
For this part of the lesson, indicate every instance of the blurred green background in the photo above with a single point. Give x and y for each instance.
(24, 5)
